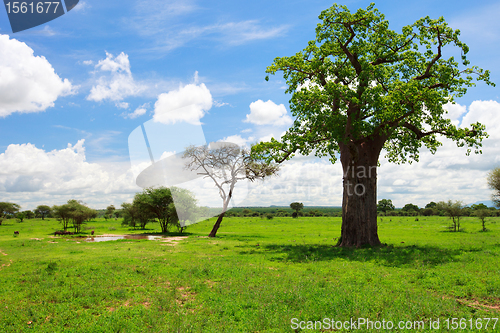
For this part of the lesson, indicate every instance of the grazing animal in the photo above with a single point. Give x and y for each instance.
(92, 232)
(63, 233)
(16, 232)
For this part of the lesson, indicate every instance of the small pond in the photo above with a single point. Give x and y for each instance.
(112, 238)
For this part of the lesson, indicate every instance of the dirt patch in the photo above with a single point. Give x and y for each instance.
(38, 239)
(172, 241)
(476, 305)
(210, 283)
(7, 265)
(185, 296)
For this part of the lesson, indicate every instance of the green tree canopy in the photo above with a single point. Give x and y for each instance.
(158, 202)
(494, 184)
(431, 204)
(73, 211)
(385, 205)
(410, 207)
(9, 209)
(297, 206)
(42, 211)
(360, 88)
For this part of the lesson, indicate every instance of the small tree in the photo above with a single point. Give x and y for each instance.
(159, 203)
(385, 205)
(431, 204)
(454, 210)
(20, 216)
(28, 214)
(296, 206)
(79, 214)
(42, 211)
(9, 209)
(185, 206)
(410, 207)
(226, 164)
(109, 211)
(494, 184)
(482, 214)
(63, 214)
(134, 217)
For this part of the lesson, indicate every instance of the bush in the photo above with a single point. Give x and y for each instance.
(269, 216)
(294, 215)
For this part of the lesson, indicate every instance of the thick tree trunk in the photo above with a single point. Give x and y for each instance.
(221, 216)
(216, 225)
(359, 203)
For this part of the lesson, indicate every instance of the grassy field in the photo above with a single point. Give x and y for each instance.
(256, 276)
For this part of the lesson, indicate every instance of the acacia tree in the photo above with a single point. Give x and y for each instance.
(109, 211)
(160, 204)
(494, 184)
(43, 211)
(226, 164)
(454, 210)
(360, 88)
(9, 209)
(385, 205)
(297, 206)
(482, 214)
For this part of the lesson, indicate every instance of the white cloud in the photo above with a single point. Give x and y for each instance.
(447, 175)
(237, 139)
(141, 110)
(122, 105)
(166, 154)
(235, 33)
(32, 176)
(268, 113)
(455, 112)
(188, 103)
(82, 6)
(160, 20)
(28, 83)
(116, 85)
(88, 62)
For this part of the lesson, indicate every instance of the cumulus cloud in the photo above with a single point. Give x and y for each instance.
(449, 174)
(455, 112)
(141, 110)
(188, 103)
(268, 113)
(28, 83)
(237, 139)
(28, 172)
(117, 83)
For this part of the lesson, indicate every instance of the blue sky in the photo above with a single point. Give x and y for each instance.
(106, 67)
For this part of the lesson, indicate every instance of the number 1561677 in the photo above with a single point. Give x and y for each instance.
(31, 8)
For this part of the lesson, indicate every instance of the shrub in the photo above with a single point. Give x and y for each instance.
(269, 216)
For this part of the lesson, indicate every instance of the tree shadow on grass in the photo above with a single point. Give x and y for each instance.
(385, 255)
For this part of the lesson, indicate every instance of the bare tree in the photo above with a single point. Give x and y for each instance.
(226, 164)
(454, 210)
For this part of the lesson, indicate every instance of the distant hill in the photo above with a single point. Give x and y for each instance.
(488, 203)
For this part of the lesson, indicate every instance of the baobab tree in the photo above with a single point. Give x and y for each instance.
(226, 164)
(360, 88)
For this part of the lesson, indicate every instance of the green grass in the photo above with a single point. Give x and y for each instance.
(255, 277)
